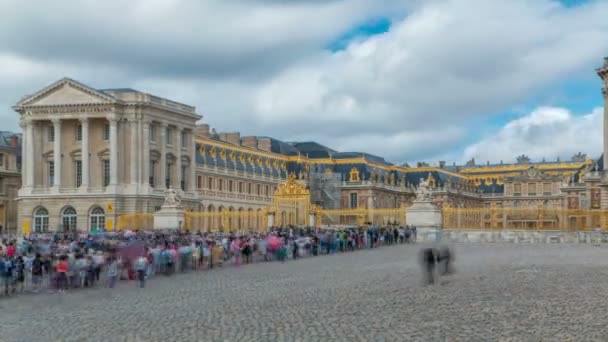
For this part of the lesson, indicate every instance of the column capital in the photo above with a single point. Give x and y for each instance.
(56, 121)
(112, 118)
(84, 120)
(24, 122)
(132, 119)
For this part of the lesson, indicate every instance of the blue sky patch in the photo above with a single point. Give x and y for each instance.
(368, 28)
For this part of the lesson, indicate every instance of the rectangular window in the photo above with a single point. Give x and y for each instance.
(106, 132)
(184, 139)
(353, 200)
(259, 190)
(220, 184)
(79, 133)
(1, 159)
(517, 189)
(230, 189)
(152, 167)
(152, 133)
(210, 183)
(51, 134)
(168, 175)
(267, 191)
(106, 172)
(241, 187)
(183, 181)
(532, 189)
(199, 182)
(168, 137)
(51, 173)
(249, 188)
(78, 170)
(547, 189)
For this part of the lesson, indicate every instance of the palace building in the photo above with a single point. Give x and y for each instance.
(92, 156)
(10, 179)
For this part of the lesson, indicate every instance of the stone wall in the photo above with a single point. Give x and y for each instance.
(518, 236)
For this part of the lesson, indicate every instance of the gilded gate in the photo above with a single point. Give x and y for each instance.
(535, 218)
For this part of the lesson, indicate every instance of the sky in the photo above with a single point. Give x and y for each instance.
(411, 81)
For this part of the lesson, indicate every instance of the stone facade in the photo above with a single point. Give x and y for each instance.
(91, 155)
(10, 180)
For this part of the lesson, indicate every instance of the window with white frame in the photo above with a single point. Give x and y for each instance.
(106, 132)
(168, 136)
(183, 181)
(353, 200)
(78, 173)
(106, 172)
(79, 133)
(152, 133)
(168, 167)
(183, 139)
(69, 219)
(51, 132)
(152, 172)
(97, 219)
(41, 220)
(51, 173)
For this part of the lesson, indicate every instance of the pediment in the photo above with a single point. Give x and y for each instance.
(66, 92)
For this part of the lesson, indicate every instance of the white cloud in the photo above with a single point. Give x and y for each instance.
(547, 132)
(260, 66)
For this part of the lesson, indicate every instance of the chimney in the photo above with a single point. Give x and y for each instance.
(202, 130)
(264, 144)
(250, 141)
(233, 138)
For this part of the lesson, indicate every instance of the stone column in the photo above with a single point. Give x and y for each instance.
(26, 168)
(133, 153)
(192, 149)
(145, 168)
(84, 122)
(113, 150)
(163, 155)
(270, 220)
(178, 158)
(57, 154)
(311, 219)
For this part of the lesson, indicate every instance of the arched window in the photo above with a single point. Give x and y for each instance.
(97, 219)
(41, 220)
(68, 218)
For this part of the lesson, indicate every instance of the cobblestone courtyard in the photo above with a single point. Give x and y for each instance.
(499, 293)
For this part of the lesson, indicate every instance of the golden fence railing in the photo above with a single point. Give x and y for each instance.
(142, 221)
(524, 218)
(361, 216)
(245, 220)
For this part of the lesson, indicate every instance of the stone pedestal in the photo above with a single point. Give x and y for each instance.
(169, 217)
(427, 218)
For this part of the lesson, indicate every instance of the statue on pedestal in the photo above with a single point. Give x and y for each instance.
(423, 193)
(172, 197)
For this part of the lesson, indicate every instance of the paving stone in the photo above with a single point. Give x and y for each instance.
(500, 292)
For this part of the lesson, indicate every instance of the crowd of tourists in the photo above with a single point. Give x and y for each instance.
(66, 261)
